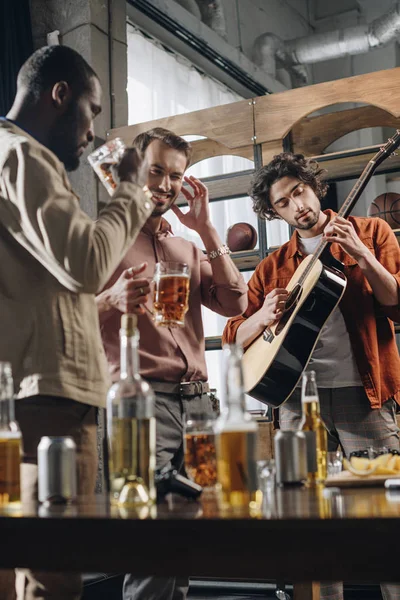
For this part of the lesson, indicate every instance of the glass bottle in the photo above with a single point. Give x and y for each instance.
(236, 442)
(315, 431)
(131, 426)
(10, 441)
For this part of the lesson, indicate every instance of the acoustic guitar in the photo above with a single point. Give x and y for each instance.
(275, 360)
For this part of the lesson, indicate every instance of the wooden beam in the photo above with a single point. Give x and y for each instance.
(246, 260)
(276, 115)
(350, 163)
(311, 136)
(229, 124)
(203, 149)
(233, 185)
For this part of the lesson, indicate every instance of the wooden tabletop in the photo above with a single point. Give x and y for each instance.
(304, 535)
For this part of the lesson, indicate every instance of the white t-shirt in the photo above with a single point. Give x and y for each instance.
(333, 359)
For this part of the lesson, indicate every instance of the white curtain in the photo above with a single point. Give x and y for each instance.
(161, 84)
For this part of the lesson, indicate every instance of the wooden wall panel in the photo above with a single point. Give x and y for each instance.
(312, 135)
(207, 148)
(229, 124)
(275, 115)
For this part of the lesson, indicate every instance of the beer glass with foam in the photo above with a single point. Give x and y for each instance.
(171, 293)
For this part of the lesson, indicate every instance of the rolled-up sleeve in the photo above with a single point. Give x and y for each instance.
(387, 252)
(256, 295)
(43, 214)
(227, 298)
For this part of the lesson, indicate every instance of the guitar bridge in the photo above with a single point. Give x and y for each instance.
(268, 336)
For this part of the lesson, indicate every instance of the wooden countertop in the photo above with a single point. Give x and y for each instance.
(303, 536)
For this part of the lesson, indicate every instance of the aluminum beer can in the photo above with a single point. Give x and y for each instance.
(290, 457)
(57, 470)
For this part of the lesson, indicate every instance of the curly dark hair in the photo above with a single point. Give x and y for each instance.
(282, 165)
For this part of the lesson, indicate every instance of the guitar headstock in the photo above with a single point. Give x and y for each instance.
(387, 149)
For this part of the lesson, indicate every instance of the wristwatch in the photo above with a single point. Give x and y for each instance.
(219, 252)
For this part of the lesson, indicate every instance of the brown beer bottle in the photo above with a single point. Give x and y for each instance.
(315, 431)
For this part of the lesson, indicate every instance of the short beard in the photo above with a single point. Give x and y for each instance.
(64, 139)
(160, 211)
(309, 224)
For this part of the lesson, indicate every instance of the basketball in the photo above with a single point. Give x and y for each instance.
(241, 236)
(387, 207)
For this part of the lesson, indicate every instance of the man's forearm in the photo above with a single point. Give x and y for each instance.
(249, 330)
(223, 268)
(383, 284)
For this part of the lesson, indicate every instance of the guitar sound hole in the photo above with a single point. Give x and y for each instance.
(293, 297)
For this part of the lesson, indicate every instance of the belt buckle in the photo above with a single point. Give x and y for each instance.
(182, 386)
(197, 388)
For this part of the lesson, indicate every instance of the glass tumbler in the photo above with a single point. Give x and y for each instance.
(103, 159)
(199, 446)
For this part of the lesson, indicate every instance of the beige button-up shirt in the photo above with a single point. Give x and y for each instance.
(174, 354)
(54, 258)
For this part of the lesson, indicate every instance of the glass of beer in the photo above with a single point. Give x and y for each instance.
(199, 446)
(171, 293)
(103, 159)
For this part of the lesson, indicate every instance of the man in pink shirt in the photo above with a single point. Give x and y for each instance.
(172, 360)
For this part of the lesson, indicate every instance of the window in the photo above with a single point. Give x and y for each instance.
(161, 84)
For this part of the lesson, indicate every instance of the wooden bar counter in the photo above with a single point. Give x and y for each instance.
(304, 536)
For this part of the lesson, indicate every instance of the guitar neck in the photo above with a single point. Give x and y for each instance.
(344, 212)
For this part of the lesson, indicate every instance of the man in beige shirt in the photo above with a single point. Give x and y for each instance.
(172, 360)
(54, 259)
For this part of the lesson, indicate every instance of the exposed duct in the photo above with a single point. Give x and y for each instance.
(211, 12)
(269, 51)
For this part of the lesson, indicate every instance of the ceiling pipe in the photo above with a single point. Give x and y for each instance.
(294, 54)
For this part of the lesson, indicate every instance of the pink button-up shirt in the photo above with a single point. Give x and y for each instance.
(176, 354)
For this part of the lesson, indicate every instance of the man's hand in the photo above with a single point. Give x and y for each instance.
(133, 168)
(274, 305)
(342, 232)
(130, 291)
(198, 216)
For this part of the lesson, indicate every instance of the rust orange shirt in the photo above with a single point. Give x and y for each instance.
(370, 325)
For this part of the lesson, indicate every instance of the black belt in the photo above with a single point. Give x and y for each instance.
(183, 388)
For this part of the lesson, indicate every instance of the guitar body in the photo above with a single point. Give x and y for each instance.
(274, 362)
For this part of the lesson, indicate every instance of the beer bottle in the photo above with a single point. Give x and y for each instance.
(10, 441)
(131, 427)
(236, 441)
(315, 431)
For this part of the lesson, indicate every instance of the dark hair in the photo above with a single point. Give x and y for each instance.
(282, 165)
(51, 64)
(143, 140)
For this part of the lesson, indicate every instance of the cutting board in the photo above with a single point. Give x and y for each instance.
(347, 479)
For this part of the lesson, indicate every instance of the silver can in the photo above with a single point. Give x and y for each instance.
(57, 470)
(290, 457)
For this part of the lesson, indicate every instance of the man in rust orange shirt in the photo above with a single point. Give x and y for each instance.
(356, 358)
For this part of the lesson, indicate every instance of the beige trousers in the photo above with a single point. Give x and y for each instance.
(39, 416)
